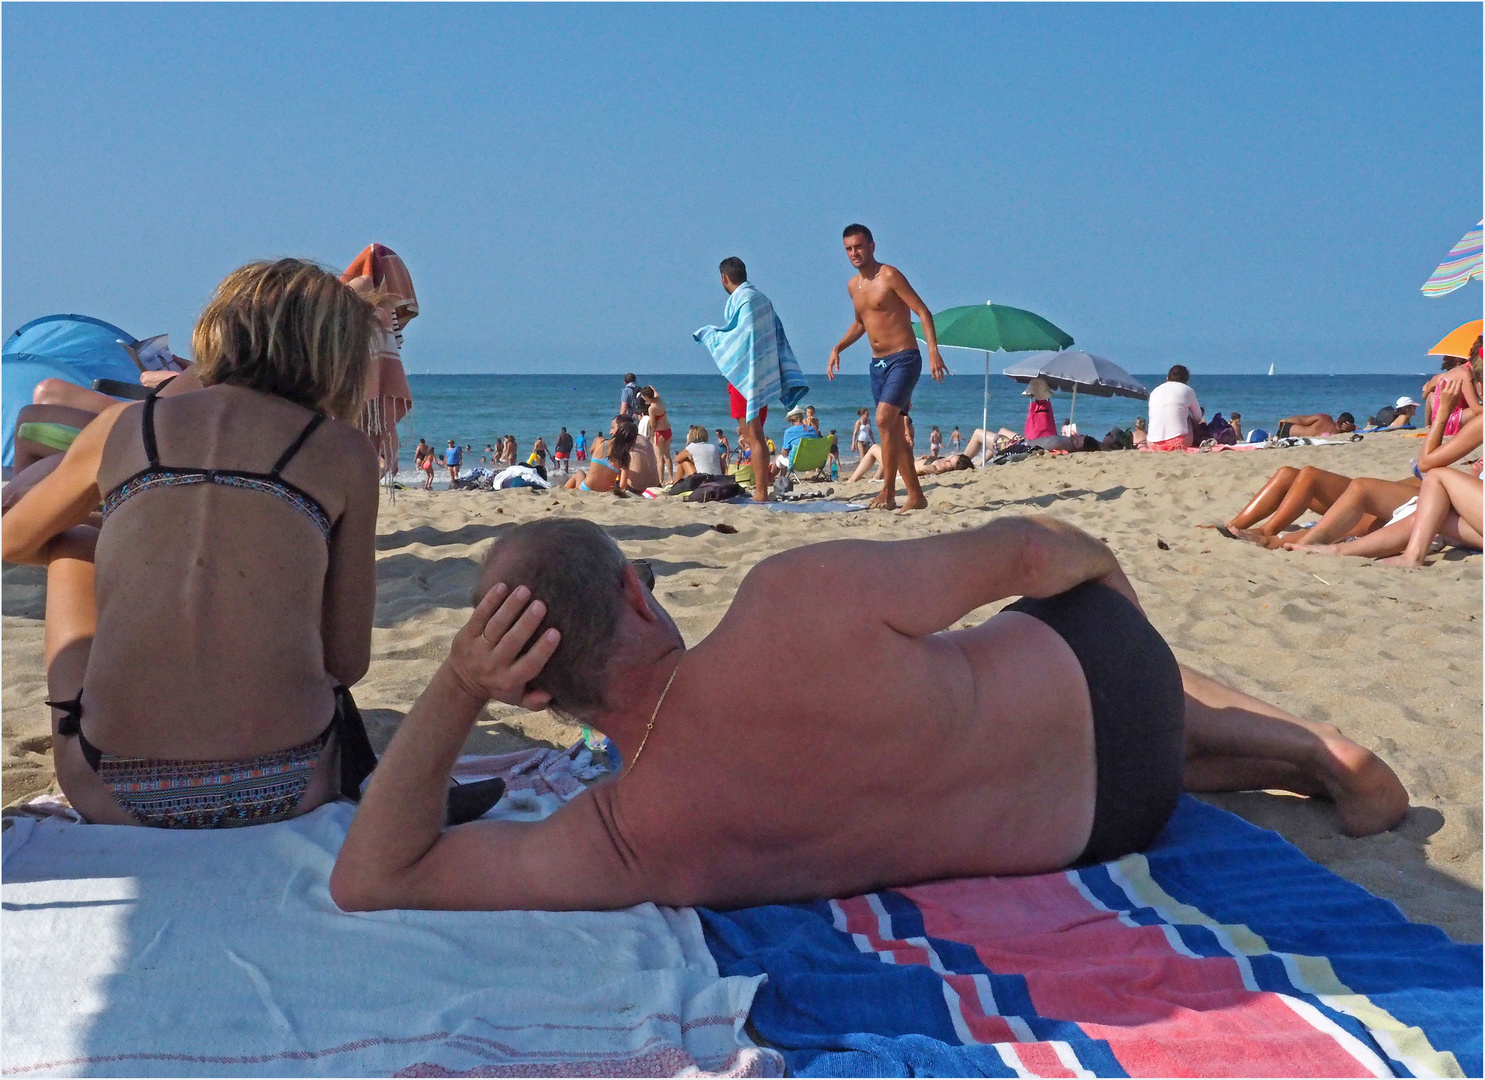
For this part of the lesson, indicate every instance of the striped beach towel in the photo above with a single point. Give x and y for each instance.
(752, 352)
(1221, 951)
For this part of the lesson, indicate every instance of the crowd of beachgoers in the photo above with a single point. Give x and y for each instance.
(240, 499)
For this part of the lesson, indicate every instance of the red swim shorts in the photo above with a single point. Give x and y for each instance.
(1177, 443)
(740, 405)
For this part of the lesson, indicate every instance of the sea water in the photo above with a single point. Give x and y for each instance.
(477, 410)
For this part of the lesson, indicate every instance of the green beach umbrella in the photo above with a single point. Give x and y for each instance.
(995, 328)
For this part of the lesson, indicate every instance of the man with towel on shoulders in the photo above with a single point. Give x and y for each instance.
(754, 356)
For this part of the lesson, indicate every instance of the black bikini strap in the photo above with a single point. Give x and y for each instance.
(288, 455)
(71, 710)
(151, 451)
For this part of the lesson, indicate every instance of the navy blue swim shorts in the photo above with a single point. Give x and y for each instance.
(893, 378)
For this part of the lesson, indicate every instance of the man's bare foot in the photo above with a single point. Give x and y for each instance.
(1403, 560)
(883, 502)
(1368, 796)
(914, 502)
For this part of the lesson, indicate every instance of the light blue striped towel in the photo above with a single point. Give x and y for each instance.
(752, 352)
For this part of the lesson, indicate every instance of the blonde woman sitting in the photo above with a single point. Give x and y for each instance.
(237, 534)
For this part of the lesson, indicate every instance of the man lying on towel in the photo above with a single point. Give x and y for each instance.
(1059, 732)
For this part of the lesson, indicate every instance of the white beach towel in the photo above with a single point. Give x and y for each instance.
(752, 352)
(131, 951)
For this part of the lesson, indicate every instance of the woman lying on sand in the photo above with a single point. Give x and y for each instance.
(925, 465)
(1447, 507)
(629, 465)
(199, 642)
(1348, 507)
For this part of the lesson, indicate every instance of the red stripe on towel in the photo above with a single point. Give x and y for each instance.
(1158, 1009)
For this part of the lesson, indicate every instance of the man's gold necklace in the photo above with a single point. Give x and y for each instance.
(651, 725)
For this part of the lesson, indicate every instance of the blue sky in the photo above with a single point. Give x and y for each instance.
(1221, 185)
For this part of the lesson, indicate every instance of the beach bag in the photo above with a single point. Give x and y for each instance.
(1201, 432)
(1221, 431)
(691, 483)
(1118, 439)
(715, 490)
(1384, 416)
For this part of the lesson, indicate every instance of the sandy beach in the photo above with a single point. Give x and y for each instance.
(1392, 657)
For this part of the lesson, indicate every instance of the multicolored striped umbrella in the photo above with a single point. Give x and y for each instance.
(1463, 263)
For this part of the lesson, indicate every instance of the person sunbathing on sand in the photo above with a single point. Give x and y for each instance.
(236, 542)
(1447, 507)
(1348, 507)
(1059, 732)
(923, 466)
(629, 465)
(1311, 425)
(1291, 493)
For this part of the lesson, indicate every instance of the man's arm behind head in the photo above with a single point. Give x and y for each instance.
(922, 586)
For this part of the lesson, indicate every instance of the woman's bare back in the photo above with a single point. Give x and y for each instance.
(225, 618)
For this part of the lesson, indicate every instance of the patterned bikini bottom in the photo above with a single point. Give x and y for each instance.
(213, 794)
(171, 794)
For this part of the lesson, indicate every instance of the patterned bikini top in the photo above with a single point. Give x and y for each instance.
(157, 475)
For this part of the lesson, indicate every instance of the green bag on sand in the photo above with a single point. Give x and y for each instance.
(743, 474)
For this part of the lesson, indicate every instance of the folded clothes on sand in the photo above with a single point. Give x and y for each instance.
(1221, 951)
(133, 951)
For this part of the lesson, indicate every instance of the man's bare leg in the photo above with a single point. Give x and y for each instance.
(909, 472)
(1235, 742)
(752, 434)
(889, 424)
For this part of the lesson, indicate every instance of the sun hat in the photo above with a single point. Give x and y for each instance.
(1038, 388)
(1404, 401)
(792, 413)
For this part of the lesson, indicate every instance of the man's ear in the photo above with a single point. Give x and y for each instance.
(636, 595)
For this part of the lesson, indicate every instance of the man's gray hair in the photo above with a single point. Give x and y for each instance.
(576, 569)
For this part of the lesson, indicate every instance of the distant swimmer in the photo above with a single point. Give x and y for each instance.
(885, 304)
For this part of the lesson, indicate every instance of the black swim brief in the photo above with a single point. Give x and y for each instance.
(1139, 714)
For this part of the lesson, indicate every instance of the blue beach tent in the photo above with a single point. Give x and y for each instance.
(76, 348)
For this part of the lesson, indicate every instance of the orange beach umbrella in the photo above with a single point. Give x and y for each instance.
(1458, 342)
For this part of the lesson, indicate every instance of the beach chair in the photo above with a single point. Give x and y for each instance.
(810, 455)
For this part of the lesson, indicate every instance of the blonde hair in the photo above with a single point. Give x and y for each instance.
(291, 329)
(696, 434)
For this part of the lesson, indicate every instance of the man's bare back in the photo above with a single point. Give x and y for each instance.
(941, 754)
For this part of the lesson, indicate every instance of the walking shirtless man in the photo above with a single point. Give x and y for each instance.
(885, 304)
(1058, 732)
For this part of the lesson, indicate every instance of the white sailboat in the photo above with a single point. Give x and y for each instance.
(1271, 369)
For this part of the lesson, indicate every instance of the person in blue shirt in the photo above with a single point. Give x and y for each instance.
(580, 446)
(453, 457)
(796, 430)
(629, 397)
